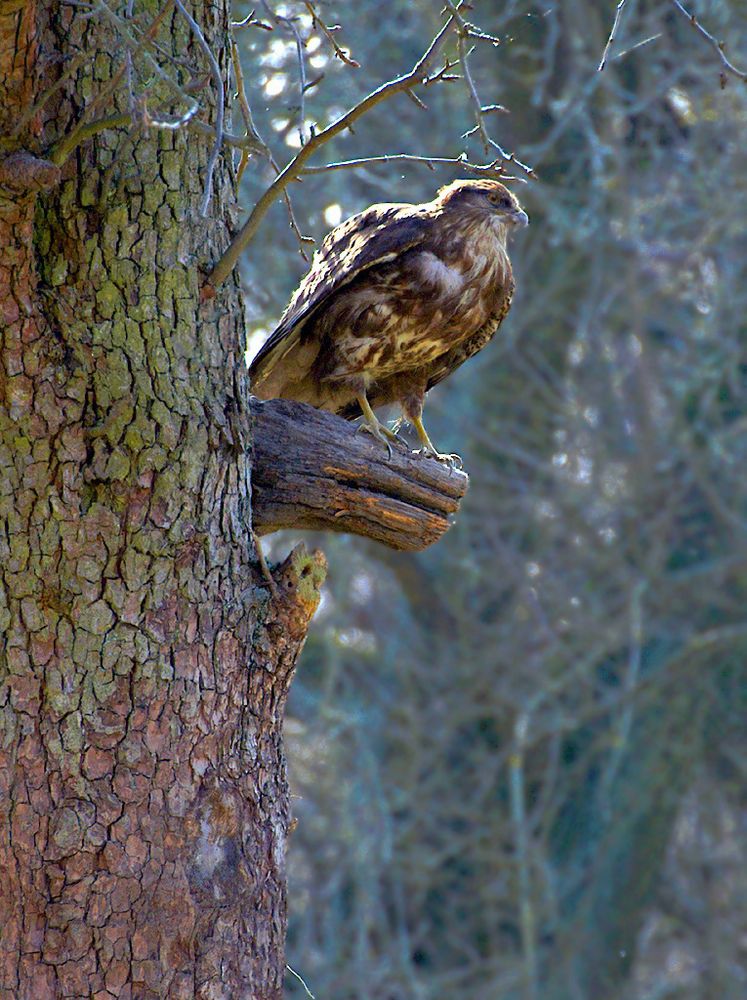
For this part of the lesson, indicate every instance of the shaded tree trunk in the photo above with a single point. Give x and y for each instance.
(144, 666)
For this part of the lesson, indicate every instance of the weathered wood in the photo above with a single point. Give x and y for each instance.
(312, 469)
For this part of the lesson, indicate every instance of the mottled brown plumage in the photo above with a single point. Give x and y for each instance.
(396, 298)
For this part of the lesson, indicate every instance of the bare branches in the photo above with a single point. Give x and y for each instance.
(246, 112)
(612, 35)
(290, 24)
(141, 46)
(294, 168)
(719, 47)
(326, 30)
(219, 103)
(157, 96)
(729, 66)
(419, 75)
(466, 31)
(261, 147)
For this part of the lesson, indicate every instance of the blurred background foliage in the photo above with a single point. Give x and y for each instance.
(518, 759)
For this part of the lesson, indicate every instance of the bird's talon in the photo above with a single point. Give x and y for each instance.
(383, 434)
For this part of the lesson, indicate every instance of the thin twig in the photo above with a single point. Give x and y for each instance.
(289, 23)
(416, 100)
(638, 45)
(246, 111)
(465, 31)
(266, 573)
(294, 167)
(170, 124)
(250, 142)
(301, 981)
(220, 104)
(59, 153)
(263, 148)
(250, 21)
(495, 169)
(327, 32)
(612, 35)
(61, 149)
(718, 46)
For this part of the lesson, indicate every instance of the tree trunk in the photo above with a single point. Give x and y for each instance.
(144, 666)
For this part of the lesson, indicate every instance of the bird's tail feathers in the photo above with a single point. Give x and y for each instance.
(289, 362)
(287, 371)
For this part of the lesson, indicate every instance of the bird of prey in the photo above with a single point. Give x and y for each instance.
(395, 299)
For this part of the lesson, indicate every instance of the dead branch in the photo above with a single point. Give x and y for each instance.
(313, 470)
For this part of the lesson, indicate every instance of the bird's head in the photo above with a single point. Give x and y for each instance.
(484, 200)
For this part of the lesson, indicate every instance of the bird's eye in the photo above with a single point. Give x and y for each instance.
(499, 199)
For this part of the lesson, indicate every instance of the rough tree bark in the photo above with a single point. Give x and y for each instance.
(143, 799)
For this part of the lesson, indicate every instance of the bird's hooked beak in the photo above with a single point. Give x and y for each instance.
(518, 218)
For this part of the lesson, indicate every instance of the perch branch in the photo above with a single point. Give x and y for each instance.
(313, 470)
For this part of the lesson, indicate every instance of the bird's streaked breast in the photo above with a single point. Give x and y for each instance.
(444, 279)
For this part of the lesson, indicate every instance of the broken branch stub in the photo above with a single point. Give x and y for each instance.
(312, 469)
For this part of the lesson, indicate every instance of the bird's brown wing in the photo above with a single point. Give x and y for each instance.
(375, 236)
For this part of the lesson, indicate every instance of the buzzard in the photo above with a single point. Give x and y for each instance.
(396, 298)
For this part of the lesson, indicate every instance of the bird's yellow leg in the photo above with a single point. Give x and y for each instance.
(417, 423)
(373, 425)
(428, 447)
